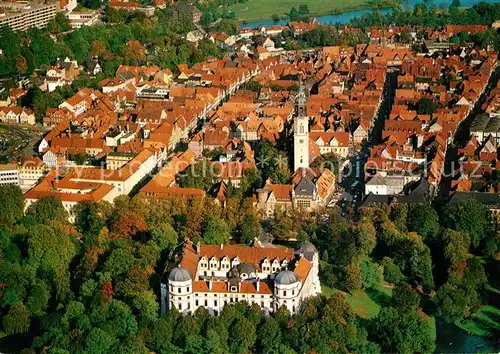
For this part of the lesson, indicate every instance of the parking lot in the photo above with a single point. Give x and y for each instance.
(17, 141)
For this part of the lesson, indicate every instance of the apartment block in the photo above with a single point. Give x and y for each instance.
(21, 15)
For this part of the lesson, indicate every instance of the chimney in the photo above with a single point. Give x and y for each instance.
(221, 246)
(198, 246)
(257, 284)
(210, 284)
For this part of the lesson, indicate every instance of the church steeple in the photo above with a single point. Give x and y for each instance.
(300, 102)
(301, 131)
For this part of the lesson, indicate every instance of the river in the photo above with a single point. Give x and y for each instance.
(451, 339)
(345, 17)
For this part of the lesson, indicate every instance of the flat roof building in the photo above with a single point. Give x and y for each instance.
(21, 15)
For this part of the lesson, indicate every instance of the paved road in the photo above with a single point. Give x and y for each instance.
(354, 174)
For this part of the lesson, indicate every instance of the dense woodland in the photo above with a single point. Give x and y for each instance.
(92, 287)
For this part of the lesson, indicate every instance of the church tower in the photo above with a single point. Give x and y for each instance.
(300, 132)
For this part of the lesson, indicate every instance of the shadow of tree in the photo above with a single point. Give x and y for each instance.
(379, 297)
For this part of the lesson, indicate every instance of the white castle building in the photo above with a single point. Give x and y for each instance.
(300, 132)
(213, 276)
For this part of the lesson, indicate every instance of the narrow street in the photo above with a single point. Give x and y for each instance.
(354, 172)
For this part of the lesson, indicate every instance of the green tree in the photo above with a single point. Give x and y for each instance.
(215, 231)
(99, 342)
(164, 236)
(456, 246)
(147, 306)
(294, 14)
(89, 218)
(17, 320)
(250, 181)
(474, 275)
(58, 24)
(392, 272)
(329, 160)
(423, 219)
(366, 238)
(402, 332)
(46, 209)
(425, 106)
(455, 303)
(405, 37)
(269, 335)
(371, 273)
(354, 277)
(303, 9)
(227, 26)
(13, 204)
(38, 300)
(250, 228)
(404, 298)
(199, 175)
(470, 217)
(243, 336)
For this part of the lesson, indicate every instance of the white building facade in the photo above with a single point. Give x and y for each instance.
(9, 174)
(215, 276)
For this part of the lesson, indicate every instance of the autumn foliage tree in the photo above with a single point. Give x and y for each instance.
(128, 225)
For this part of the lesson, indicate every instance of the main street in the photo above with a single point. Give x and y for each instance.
(353, 173)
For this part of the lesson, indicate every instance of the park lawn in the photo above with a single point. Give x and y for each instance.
(366, 303)
(485, 324)
(254, 10)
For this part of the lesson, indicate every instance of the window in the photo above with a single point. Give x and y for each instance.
(284, 292)
(304, 203)
(206, 302)
(197, 303)
(293, 292)
(179, 290)
(215, 302)
(188, 289)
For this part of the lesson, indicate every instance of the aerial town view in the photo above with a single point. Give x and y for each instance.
(249, 176)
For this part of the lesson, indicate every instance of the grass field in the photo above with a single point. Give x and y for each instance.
(367, 302)
(254, 10)
(487, 322)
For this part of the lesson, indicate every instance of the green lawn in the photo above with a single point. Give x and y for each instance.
(486, 324)
(254, 10)
(366, 303)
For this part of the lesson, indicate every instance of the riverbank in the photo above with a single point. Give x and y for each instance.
(334, 17)
(260, 10)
